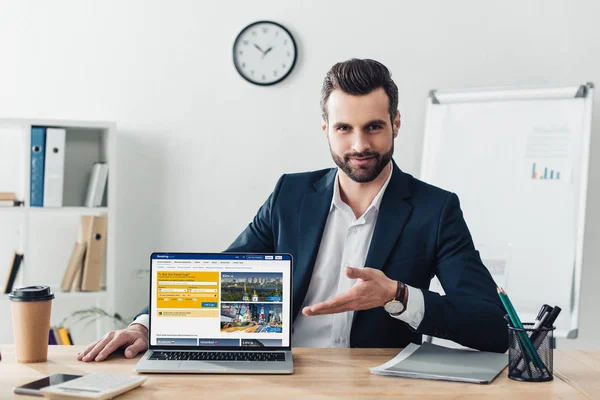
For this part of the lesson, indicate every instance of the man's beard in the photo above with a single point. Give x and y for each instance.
(363, 173)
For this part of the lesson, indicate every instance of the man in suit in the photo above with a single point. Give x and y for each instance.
(366, 238)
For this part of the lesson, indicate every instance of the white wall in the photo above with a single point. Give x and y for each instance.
(200, 148)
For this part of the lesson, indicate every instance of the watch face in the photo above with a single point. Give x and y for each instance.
(264, 53)
(394, 307)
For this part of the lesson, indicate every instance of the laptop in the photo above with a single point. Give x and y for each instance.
(219, 313)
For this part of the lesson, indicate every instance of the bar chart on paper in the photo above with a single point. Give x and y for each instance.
(538, 172)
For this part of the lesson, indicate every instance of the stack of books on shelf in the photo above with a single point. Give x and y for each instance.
(12, 272)
(9, 199)
(84, 270)
(60, 335)
(48, 167)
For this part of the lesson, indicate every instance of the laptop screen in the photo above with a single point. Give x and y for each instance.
(220, 300)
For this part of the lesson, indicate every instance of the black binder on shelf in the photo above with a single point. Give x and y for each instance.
(12, 275)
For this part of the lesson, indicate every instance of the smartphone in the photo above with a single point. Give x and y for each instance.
(33, 388)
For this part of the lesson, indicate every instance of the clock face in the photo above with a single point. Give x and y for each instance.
(264, 53)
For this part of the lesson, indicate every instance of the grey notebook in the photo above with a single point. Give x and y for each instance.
(429, 361)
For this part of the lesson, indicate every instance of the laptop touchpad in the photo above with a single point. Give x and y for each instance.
(158, 365)
(202, 366)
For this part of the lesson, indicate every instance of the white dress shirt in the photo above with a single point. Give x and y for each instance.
(346, 241)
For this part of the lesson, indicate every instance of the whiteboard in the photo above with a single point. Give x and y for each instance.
(518, 160)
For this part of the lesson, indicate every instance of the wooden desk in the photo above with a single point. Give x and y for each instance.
(319, 374)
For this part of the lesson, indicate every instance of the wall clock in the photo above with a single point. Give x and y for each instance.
(264, 53)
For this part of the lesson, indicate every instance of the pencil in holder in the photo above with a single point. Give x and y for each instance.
(530, 353)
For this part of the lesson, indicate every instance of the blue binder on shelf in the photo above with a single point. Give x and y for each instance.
(38, 150)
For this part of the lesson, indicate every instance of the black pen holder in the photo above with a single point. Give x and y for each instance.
(523, 364)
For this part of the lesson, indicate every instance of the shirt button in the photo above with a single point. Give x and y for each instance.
(419, 315)
(337, 340)
(354, 230)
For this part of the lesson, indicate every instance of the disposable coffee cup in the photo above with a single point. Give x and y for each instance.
(31, 307)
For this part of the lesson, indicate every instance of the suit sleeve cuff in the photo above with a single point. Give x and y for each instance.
(144, 319)
(415, 308)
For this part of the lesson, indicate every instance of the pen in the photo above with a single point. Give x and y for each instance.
(543, 314)
(538, 337)
(545, 308)
(552, 317)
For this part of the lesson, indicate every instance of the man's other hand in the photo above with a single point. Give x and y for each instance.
(372, 289)
(134, 339)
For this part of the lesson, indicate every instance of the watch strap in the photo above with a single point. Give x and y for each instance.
(401, 293)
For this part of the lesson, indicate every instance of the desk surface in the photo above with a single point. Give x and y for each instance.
(319, 374)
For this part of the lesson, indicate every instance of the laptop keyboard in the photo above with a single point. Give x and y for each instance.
(217, 356)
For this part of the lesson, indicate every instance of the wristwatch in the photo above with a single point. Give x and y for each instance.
(397, 305)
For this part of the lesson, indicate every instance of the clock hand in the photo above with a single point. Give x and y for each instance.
(258, 47)
(268, 50)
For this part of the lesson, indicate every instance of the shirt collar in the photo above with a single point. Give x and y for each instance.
(337, 201)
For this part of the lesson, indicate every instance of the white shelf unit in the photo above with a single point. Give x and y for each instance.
(46, 235)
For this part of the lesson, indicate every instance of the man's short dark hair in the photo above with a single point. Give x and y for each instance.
(359, 77)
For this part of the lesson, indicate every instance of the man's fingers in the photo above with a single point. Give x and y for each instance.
(311, 311)
(136, 347)
(337, 304)
(118, 341)
(86, 350)
(357, 273)
(134, 338)
(96, 349)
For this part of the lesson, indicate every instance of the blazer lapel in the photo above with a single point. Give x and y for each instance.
(312, 217)
(393, 215)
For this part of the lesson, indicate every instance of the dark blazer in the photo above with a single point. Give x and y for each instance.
(420, 232)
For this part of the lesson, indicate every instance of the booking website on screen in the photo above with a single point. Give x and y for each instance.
(216, 300)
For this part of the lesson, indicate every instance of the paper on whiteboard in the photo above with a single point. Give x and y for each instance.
(548, 154)
(496, 259)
